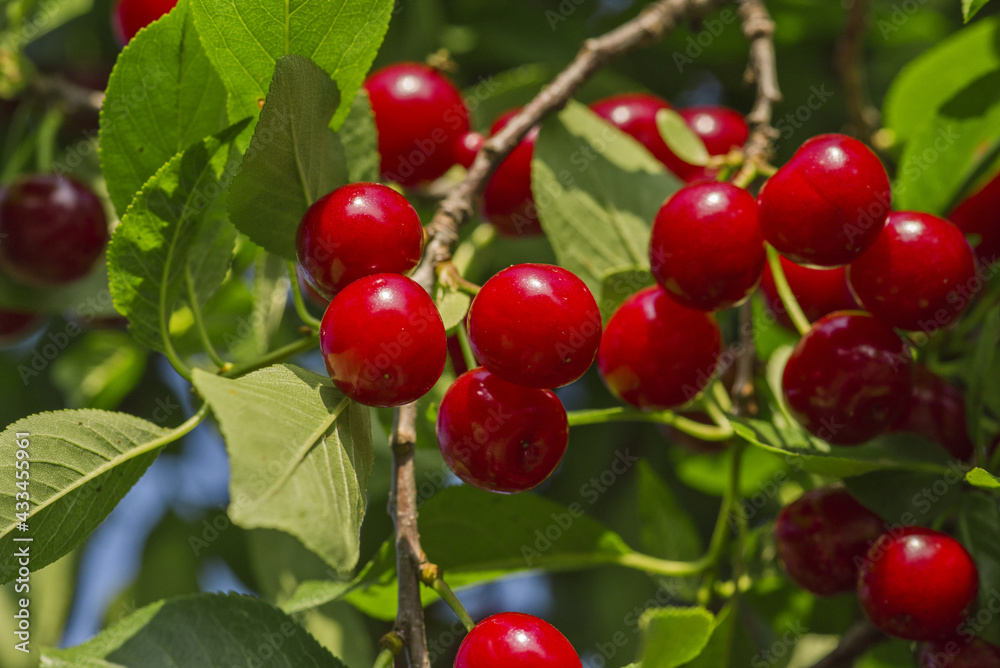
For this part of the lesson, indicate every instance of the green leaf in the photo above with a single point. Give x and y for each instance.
(597, 191)
(293, 159)
(619, 284)
(971, 7)
(46, 17)
(207, 630)
(982, 358)
(453, 305)
(981, 478)
(149, 254)
(476, 537)
(680, 139)
(245, 38)
(82, 462)
(953, 65)
(210, 257)
(674, 636)
(667, 529)
(162, 97)
(359, 137)
(917, 498)
(718, 651)
(301, 455)
(100, 370)
(977, 529)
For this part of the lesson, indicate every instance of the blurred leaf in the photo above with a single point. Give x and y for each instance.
(768, 334)
(666, 527)
(208, 630)
(150, 252)
(597, 191)
(680, 139)
(82, 463)
(971, 7)
(245, 38)
(300, 454)
(39, 19)
(453, 305)
(162, 97)
(759, 472)
(359, 137)
(982, 384)
(88, 297)
(504, 91)
(293, 159)
(916, 499)
(892, 654)
(619, 284)
(100, 370)
(674, 636)
(981, 478)
(977, 529)
(51, 592)
(718, 650)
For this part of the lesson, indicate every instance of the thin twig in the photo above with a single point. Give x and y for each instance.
(73, 98)
(855, 642)
(862, 115)
(762, 71)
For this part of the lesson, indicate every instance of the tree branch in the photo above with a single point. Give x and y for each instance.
(861, 114)
(72, 97)
(853, 644)
(762, 71)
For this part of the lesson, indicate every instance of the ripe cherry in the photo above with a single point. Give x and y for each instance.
(535, 325)
(383, 341)
(16, 326)
(820, 536)
(420, 116)
(963, 652)
(507, 199)
(979, 214)
(358, 230)
(131, 16)
(818, 291)
(721, 130)
(706, 249)
(515, 639)
(467, 147)
(499, 436)
(657, 354)
(917, 275)
(848, 378)
(53, 230)
(918, 584)
(936, 411)
(828, 204)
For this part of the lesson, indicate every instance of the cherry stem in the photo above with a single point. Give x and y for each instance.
(302, 345)
(690, 427)
(431, 576)
(385, 659)
(463, 339)
(300, 304)
(199, 322)
(46, 138)
(795, 312)
(723, 524)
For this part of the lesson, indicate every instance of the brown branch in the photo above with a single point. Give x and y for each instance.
(855, 642)
(862, 115)
(762, 71)
(72, 97)
(651, 25)
(744, 392)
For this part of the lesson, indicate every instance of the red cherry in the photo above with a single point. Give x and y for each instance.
(919, 273)
(979, 214)
(16, 326)
(53, 230)
(515, 639)
(468, 148)
(383, 341)
(963, 652)
(308, 290)
(131, 16)
(657, 354)
(635, 115)
(918, 584)
(499, 436)
(721, 130)
(535, 325)
(828, 204)
(818, 291)
(936, 411)
(419, 115)
(848, 378)
(820, 536)
(507, 200)
(706, 249)
(358, 230)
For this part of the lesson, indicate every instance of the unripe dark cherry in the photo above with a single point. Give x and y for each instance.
(383, 341)
(499, 436)
(16, 326)
(706, 248)
(848, 378)
(819, 292)
(515, 639)
(53, 230)
(910, 276)
(979, 214)
(828, 204)
(355, 231)
(821, 535)
(657, 354)
(535, 325)
(131, 16)
(420, 116)
(961, 652)
(918, 584)
(936, 411)
(507, 199)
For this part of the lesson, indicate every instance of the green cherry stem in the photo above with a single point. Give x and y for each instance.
(723, 524)
(705, 432)
(785, 292)
(431, 576)
(199, 321)
(385, 659)
(302, 345)
(300, 304)
(463, 340)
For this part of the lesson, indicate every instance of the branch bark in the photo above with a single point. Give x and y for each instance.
(861, 114)
(72, 97)
(762, 71)
(853, 644)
